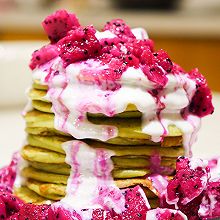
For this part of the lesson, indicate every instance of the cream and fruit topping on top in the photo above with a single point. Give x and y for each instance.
(87, 71)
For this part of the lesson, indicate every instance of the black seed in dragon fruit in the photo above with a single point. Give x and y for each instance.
(79, 44)
(201, 104)
(43, 55)
(119, 28)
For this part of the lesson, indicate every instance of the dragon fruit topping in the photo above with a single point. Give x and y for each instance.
(8, 174)
(43, 55)
(119, 28)
(79, 44)
(60, 213)
(201, 104)
(100, 214)
(189, 182)
(9, 204)
(58, 24)
(165, 214)
(210, 206)
(214, 165)
(34, 212)
(136, 203)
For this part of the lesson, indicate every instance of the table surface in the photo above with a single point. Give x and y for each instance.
(12, 134)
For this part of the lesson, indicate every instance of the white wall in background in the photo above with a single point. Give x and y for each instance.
(15, 75)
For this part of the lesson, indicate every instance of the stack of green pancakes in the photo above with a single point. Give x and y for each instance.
(47, 173)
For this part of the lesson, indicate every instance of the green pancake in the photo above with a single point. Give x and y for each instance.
(32, 173)
(47, 108)
(58, 191)
(119, 150)
(37, 85)
(42, 190)
(119, 162)
(129, 128)
(39, 95)
(42, 106)
(29, 196)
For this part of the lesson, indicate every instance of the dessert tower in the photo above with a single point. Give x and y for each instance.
(108, 112)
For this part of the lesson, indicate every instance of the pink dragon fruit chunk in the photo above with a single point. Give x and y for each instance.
(111, 46)
(210, 206)
(43, 55)
(33, 212)
(164, 60)
(214, 165)
(156, 66)
(201, 104)
(58, 24)
(119, 28)
(100, 214)
(165, 214)
(155, 74)
(189, 182)
(12, 203)
(110, 198)
(60, 213)
(190, 209)
(136, 204)
(79, 44)
(137, 47)
(177, 69)
(8, 174)
(2, 210)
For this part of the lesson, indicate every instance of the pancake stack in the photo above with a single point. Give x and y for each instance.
(136, 156)
(109, 112)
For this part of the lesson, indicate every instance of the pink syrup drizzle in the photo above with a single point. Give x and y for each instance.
(102, 168)
(160, 183)
(156, 168)
(108, 194)
(75, 164)
(94, 174)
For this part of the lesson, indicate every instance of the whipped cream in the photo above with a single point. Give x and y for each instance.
(68, 92)
(90, 185)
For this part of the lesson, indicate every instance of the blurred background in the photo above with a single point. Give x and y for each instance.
(188, 29)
